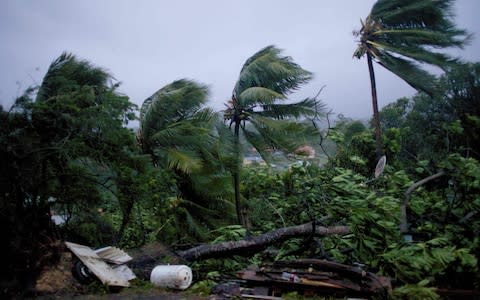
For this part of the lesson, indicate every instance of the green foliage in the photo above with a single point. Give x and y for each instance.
(229, 233)
(357, 152)
(58, 149)
(292, 197)
(372, 215)
(418, 291)
(447, 120)
(89, 227)
(445, 249)
(430, 259)
(202, 288)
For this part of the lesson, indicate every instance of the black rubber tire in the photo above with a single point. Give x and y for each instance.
(82, 273)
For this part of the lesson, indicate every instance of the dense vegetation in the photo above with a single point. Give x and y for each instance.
(65, 147)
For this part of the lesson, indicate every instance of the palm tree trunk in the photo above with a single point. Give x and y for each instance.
(236, 175)
(376, 115)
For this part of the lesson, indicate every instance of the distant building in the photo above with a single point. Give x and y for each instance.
(306, 151)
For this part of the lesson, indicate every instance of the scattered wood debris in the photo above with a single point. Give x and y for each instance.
(316, 276)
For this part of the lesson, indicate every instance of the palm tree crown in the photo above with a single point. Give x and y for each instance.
(265, 79)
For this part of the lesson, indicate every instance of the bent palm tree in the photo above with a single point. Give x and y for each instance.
(265, 79)
(180, 135)
(400, 34)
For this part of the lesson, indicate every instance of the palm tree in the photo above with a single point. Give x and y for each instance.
(265, 80)
(402, 34)
(181, 136)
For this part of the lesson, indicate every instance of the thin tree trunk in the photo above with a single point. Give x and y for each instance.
(403, 206)
(236, 175)
(376, 114)
(259, 243)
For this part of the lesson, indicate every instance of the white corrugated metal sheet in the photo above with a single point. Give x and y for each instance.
(118, 276)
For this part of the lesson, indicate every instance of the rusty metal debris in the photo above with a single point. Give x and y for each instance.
(316, 277)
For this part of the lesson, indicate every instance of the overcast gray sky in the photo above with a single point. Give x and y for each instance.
(148, 44)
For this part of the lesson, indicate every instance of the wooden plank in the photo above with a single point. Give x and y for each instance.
(320, 283)
(96, 265)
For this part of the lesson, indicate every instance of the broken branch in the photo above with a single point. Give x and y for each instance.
(259, 243)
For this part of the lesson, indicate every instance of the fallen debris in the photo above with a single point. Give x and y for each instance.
(172, 276)
(115, 273)
(316, 276)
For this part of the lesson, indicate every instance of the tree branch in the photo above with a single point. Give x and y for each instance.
(259, 243)
(403, 206)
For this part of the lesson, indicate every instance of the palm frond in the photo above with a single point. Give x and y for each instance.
(429, 14)
(419, 54)
(283, 134)
(307, 107)
(180, 135)
(259, 142)
(265, 122)
(419, 36)
(268, 69)
(410, 72)
(178, 101)
(174, 102)
(258, 95)
(183, 160)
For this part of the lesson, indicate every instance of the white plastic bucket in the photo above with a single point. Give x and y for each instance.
(172, 276)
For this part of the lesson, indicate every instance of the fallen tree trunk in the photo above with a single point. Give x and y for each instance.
(259, 243)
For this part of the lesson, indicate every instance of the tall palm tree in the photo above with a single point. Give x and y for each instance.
(402, 34)
(180, 135)
(258, 100)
